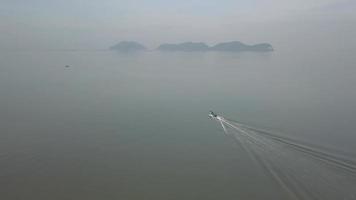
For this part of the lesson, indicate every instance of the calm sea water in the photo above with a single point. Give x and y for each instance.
(135, 126)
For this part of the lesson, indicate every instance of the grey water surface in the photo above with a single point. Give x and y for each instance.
(135, 126)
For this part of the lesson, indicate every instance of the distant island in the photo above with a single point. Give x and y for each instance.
(234, 46)
(226, 46)
(128, 46)
(239, 46)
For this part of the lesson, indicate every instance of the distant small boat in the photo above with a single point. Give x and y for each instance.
(67, 66)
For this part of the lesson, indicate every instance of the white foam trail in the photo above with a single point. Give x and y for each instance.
(225, 131)
(310, 151)
(303, 172)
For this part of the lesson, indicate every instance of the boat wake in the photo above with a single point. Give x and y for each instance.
(304, 172)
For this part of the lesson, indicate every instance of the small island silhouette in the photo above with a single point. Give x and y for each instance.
(233, 46)
(128, 46)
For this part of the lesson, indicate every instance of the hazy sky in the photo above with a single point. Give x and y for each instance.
(80, 24)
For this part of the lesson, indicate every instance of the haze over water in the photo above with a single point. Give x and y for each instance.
(135, 125)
